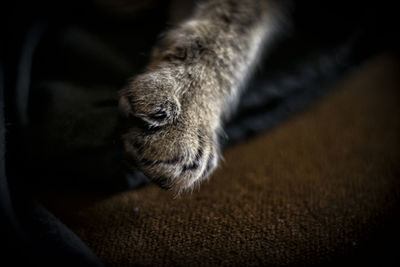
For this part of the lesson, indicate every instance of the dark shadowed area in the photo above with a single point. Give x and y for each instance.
(311, 159)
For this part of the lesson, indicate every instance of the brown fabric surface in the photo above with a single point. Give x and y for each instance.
(322, 187)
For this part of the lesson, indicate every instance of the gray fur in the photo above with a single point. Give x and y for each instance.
(191, 83)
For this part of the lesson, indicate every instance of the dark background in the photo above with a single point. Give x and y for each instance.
(64, 41)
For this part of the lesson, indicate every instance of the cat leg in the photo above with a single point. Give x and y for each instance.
(194, 78)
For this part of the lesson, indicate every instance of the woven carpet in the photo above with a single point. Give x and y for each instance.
(321, 188)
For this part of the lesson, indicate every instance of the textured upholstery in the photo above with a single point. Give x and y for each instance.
(320, 188)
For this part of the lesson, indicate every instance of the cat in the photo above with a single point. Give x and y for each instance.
(193, 81)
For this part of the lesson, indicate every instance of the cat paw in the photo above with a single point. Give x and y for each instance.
(171, 136)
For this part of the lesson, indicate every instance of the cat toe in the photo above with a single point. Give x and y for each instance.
(150, 101)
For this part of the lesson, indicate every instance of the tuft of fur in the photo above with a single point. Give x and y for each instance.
(175, 109)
